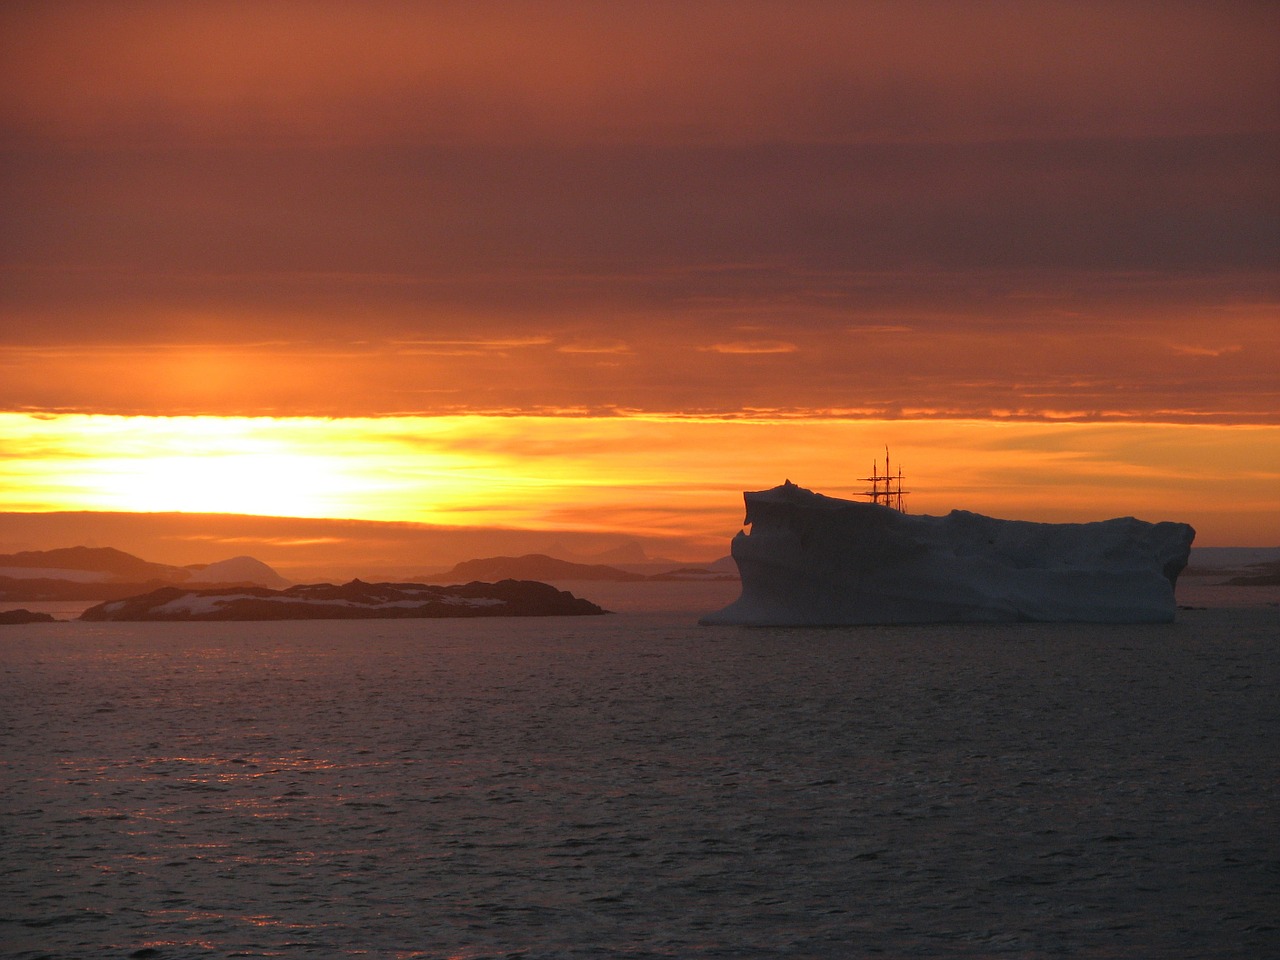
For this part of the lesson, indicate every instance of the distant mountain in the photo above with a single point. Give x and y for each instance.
(532, 566)
(630, 557)
(1258, 575)
(725, 565)
(105, 573)
(107, 560)
(690, 574)
(1216, 559)
(539, 566)
(630, 552)
(238, 570)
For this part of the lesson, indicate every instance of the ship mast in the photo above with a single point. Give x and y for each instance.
(886, 489)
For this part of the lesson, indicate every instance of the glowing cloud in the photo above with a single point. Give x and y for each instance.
(595, 346)
(753, 346)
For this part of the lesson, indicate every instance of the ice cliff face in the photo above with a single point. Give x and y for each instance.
(813, 560)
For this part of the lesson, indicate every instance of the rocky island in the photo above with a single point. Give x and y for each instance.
(356, 600)
(24, 616)
(812, 560)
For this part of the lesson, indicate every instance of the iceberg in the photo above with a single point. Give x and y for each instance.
(814, 560)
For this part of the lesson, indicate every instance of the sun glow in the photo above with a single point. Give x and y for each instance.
(674, 477)
(187, 464)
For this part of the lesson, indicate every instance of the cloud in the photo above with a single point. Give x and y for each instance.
(491, 343)
(465, 348)
(720, 71)
(387, 208)
(1190, 350)
(408, 243)
(974, 353)
(293, 541)
(876, 328)
(595, 347)
(752, 347)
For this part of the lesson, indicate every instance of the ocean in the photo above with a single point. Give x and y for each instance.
(638, 786)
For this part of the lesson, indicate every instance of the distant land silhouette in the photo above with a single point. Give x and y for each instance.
(105, 573)
(538, 566)
(310, 550)
(245, 588)
(104, 560)
(1264, 575)
(23, 616)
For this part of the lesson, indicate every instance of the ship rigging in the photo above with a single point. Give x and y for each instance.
(886, 489)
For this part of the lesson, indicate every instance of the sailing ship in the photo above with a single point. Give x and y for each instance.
(886, 489)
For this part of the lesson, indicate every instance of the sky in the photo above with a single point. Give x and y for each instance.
(598, 268)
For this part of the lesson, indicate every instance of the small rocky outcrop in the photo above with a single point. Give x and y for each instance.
(14, 617)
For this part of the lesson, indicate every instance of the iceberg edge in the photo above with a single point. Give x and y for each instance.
(814, 560)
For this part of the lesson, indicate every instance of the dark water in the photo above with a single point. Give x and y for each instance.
(638, 786)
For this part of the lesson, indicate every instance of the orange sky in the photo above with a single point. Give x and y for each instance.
(913, 220)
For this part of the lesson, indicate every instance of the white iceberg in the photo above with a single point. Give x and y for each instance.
(813, 560)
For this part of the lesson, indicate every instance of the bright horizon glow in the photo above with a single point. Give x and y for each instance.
(668, 477)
